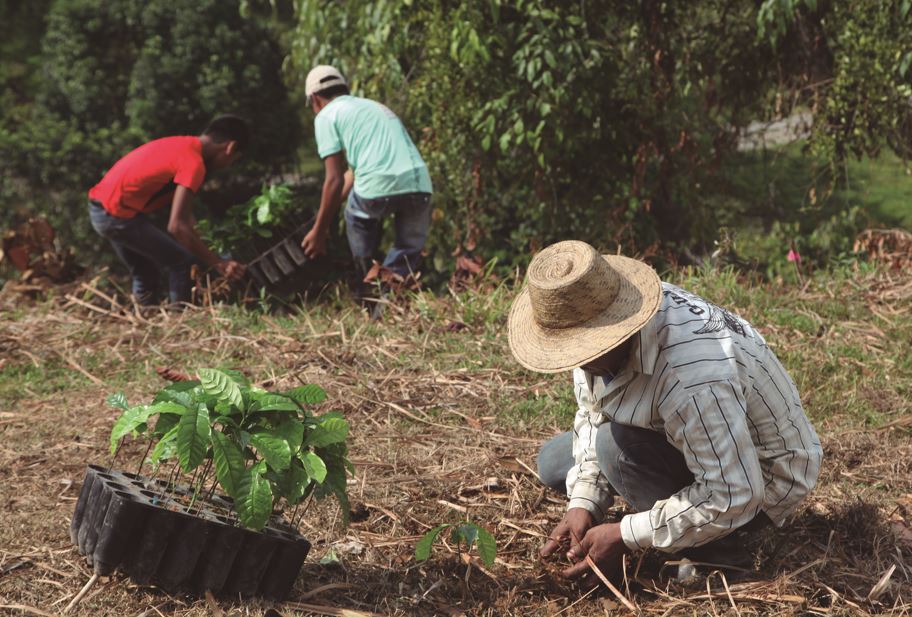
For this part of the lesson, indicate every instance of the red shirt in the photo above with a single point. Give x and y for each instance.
(144, 180)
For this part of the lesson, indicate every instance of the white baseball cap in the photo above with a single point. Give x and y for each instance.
(322, 77)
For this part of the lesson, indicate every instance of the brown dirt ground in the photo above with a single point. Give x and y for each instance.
(425, 443)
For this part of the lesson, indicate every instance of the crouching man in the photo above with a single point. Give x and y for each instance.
(684, 411)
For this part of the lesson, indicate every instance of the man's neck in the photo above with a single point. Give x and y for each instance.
(610, 364)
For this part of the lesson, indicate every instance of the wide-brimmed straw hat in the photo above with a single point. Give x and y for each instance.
(578, 305)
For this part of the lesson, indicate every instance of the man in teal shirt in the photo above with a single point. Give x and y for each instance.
(389, 177)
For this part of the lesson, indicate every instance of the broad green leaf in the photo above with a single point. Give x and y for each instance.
(314, 466)
(487, 546)
(135, 417)
(290, 483)
(238, 377)
(229, 463)
(423, 548)
(127, 422)
(166, 446)
(117, 400)
(329, 431)
(292, 431)
(273, 402)
(220, 385)
(310, 394)
(273, 448)
(180, 392)
(193, 432)
(254, 500)
(165, 423)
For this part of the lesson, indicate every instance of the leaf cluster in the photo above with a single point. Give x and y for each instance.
(266, 447)
(261, 216)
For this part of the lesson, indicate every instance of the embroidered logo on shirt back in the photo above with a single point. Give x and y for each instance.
(719, 318)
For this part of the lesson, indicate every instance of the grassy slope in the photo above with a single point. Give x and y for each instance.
(437, 405)
(774, 185)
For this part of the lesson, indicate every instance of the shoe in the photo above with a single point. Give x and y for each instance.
(727, 555)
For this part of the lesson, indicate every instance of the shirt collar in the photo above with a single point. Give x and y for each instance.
(645, 350)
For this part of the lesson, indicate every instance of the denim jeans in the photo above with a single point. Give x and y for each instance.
(146, 250)
(412, 220)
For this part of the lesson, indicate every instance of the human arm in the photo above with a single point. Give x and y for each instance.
(314, 243)
(587, 486)
(182, 225)
(710, 428)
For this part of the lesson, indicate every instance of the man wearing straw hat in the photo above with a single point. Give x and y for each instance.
(683, 410)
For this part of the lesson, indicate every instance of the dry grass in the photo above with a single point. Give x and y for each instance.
(445, 427)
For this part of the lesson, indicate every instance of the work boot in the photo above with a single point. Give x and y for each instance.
(727, 555)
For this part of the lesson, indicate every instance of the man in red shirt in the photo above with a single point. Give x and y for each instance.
(163, 171)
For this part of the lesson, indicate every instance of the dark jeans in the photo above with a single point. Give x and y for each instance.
(146, 250)
(641, 466)
(412, 220)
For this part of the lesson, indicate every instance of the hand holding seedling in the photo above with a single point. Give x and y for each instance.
(601, 545)
(575, 524)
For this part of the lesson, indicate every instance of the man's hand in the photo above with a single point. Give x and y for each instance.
(314, 243)
(230, 269)
(569, 532)
(605, 546)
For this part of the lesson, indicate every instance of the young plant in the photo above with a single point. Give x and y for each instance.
(259, 216)
(464, 532)
(265, 446)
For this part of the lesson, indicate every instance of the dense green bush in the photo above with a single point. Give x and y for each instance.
(544, 120)
(116, 73)
(610, 122)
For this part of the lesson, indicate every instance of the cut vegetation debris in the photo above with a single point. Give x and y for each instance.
(445, 427)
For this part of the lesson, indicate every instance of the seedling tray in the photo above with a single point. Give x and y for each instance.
(282, 261)
(128, 522)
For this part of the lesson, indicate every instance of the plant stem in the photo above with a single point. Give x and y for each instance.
(197, 487)
(143, 459)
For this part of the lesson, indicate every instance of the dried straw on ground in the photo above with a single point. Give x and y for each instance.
(429, 447)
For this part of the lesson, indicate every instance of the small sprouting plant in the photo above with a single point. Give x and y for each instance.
(265, 447)
(463, 533)
(257, 217)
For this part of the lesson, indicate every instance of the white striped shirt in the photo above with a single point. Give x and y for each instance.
(708, 380)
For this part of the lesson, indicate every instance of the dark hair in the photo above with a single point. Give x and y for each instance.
(333, 91)
(229, 128)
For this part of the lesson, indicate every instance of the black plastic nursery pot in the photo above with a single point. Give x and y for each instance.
(128, 522)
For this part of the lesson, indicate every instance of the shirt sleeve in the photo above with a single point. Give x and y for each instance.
(328, 139)
(710, 427)
(191, 172)
(587, 487)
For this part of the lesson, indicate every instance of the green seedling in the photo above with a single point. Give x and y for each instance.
(464, 532)
(269, 451)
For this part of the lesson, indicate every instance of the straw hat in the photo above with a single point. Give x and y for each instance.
(578, 305)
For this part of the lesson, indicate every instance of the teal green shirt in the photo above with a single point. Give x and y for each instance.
(377, 147)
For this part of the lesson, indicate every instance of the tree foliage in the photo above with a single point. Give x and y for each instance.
(543, 120)
(116, 73)
(608, 121)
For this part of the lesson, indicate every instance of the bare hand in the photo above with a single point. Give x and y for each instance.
(604, 546)
(230, 269)
(569, 531)
(314, 243)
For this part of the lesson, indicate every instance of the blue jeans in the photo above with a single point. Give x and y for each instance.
(412, 220)
(643, 468)
(146, 250)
